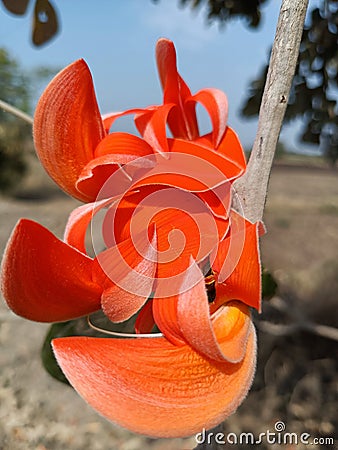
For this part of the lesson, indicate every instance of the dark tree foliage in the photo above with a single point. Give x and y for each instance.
(223, 10)
(314, 92)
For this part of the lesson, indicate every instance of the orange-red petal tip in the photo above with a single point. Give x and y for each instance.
(68, 126)
(44, 279)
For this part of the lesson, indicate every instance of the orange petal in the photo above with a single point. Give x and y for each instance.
(78, 222)
(97, 172)
(44, 279)
(174, 213)
(238, 263)
(218, 200)
(145, 322)
(231, 147)
(227, 166)
(192, 167)
(127, 272)
(109, 118)
(123, 147)
(193, 319)
(68, 126)
(186, 318)
(152, 126)
(216, 103)
(153, 387)
(165, 317)
(182, 118)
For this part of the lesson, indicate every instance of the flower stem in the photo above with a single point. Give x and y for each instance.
(16, 112)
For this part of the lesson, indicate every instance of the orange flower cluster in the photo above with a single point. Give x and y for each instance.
(175, 254)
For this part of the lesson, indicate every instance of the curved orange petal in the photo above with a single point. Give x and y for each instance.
(173, 212)
(182, 117)
(225, 163)
(231, 147)
(123, 147)
(153, 387)
(238, 263)
(98, 172)
(165, 317)
(192, 167)
(126, 272)
(78, 222)
(193, 319)
(44, 279)
(216, 103)
(145, 322)
(218, 200)
(152, 126)
(68, 126)
(109, 118)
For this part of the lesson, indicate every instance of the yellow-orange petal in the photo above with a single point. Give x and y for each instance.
(198, 330)
(186, 318)
(68, 126)
(44, 279)
(153, 387)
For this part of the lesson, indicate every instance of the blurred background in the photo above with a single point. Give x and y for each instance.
(221, 44)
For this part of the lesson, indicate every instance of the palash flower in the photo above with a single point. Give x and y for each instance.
(199, 370)
(192, 377)
(73, 140)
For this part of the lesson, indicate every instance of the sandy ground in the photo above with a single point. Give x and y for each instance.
(296, 378)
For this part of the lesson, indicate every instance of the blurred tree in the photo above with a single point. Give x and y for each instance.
(223, 10)
(281, 150)
(14, 133)
(17, 88)
(315, 87)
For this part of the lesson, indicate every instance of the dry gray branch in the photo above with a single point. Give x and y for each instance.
(252, 187)
(299, 322)
(16, 112)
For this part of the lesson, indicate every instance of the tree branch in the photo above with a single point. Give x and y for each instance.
(252, 186)
(299, 322)
(16, 112)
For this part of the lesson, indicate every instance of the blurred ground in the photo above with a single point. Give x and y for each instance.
(297, 377)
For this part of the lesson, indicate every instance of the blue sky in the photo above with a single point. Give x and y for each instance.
(118, 40)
